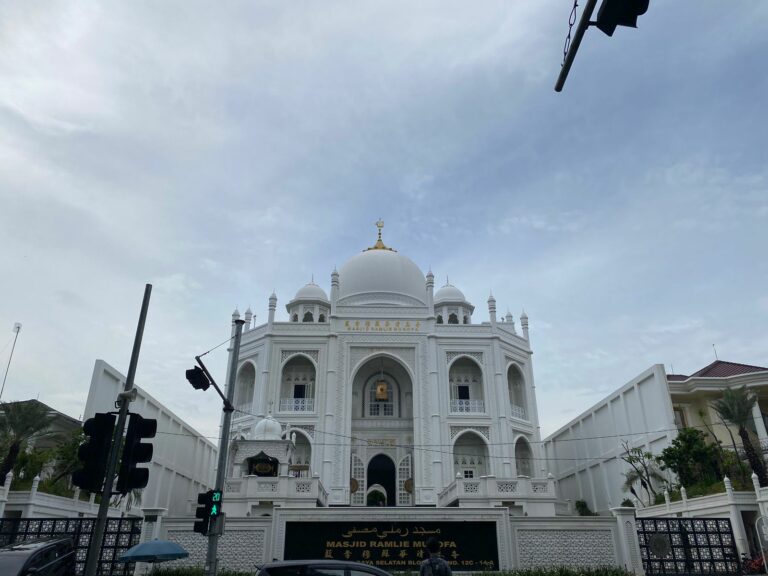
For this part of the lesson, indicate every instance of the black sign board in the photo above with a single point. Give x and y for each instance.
(394, 546)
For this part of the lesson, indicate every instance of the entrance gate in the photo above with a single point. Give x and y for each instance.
(688, 546)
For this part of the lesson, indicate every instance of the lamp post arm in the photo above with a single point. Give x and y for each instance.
(227, 404)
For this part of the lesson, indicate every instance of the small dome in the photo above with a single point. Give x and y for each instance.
(268, 429)
(449, 293)
(311, 292)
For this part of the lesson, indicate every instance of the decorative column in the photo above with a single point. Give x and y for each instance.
(757, 416)
(524, 324)
(334, 290)
(737, 524)
(431, 295)
(4, 492)
(272, 308)
(628, 542)
(248, 317)
(492, 309)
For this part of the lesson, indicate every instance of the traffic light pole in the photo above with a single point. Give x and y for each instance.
(211, 561)
(589, 7)
(94, 549)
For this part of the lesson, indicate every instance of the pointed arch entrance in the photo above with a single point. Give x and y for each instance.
(381, 473)
(382, 425)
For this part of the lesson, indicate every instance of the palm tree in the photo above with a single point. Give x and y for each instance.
(19, 423)
(735, 407)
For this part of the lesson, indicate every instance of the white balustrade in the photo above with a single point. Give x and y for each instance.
(517, 412)
(467, 406)
(297, 404)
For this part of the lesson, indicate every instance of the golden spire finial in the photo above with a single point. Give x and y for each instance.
(379, 242)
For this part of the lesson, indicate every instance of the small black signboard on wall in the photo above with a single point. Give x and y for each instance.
(394, 546)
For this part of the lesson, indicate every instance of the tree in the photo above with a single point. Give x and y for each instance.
(644, 471)
(65, 455)
(19, 423)
(692, 458)
(735, 406)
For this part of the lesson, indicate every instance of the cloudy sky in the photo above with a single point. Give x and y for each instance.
(220, 151)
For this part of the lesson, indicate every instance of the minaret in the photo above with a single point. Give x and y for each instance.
(272, 308)
(235, 318)
(248, 316)
(511, 321)
(334, 290)
(492, 309)
(431, 293)
(524, 324)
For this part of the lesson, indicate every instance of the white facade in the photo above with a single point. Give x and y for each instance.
(183, 461)
(585, 454)
(389, 386)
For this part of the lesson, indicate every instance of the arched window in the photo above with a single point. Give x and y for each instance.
(470, 456)
(295, 318)
(321, 318)
(297, 387)
(466, 381)
(516, 387)
(246, 378)
(466, 319)
(523, 458)
(453, 319)
(439, 318)
(308, 317)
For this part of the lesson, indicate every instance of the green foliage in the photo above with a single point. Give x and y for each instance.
(691, 458)
(27, 466)
(642, 474)
(582, 508)
(627, 502)
(20, 422)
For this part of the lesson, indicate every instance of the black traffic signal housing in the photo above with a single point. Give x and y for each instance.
(94, 453)
(209, 508)
(198, 378)
(614, 13)
(130, 477)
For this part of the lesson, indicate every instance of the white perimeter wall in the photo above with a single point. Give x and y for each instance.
(585, 454)
(183, 461)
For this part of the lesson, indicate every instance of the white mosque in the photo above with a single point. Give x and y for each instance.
(385, 393)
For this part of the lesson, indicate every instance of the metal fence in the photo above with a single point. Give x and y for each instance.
(119, 536)
(688, 546)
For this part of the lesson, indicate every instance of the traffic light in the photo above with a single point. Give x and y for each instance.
(94, 453)
(198, 379)
(136, 452)
(614, 13)
(209, 509)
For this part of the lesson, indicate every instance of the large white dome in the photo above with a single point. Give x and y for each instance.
(449, 293)
(382, 276)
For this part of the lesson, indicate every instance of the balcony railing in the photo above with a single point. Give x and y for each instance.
(517, 412)
(297, 404)
(467, 406)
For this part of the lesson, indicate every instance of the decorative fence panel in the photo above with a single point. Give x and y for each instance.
(120, 535)
(688, 546)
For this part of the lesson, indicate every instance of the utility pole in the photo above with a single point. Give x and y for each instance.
(124, 399)
(17, 329)
(211, 561)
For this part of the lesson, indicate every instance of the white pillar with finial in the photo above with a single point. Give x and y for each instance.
(430, 294)
(524, 324)
(492, 309)
(334, 290)
(248, 317)
(272, 308)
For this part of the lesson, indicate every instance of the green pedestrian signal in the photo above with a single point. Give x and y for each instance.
(214, 510)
